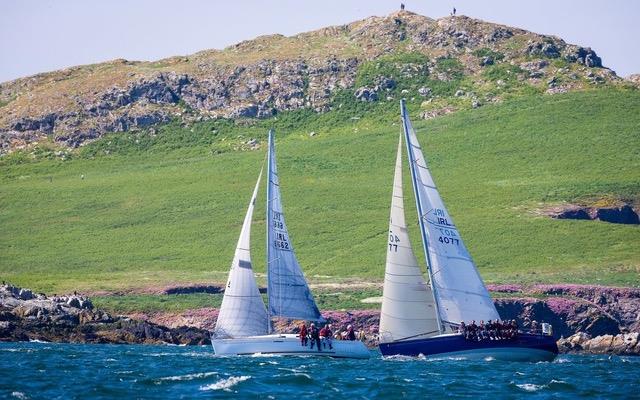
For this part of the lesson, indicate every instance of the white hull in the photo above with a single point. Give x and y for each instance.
(287, 344)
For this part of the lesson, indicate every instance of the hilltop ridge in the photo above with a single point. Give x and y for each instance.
(451, 60)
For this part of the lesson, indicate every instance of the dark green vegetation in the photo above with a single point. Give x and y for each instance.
(342, 299)
(158, 209)
(149, 303)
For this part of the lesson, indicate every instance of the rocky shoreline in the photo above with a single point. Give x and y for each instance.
(587, 319)
(27, 316)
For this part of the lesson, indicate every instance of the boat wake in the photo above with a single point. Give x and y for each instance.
(188, 377)
(225, 384)
(261, 355)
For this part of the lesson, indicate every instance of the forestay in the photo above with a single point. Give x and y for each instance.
(408, 309)
(243, 312)
(459, 291)
(289, 294)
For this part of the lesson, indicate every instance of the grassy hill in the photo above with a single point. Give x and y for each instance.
(152, 208)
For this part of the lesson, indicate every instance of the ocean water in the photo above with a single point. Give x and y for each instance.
(77, 371)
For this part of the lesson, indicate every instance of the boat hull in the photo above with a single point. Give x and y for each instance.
(287, 344)
(525, 347)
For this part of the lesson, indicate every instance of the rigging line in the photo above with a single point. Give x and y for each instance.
(466, 292)
(408, 319)
(406, 301)
(413, 336)
(408, 132)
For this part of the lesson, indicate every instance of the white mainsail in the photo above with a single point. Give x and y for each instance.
(243, 312)
(459, 291)
(289, 294)
(408, 307)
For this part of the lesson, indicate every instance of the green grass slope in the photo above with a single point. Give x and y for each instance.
(167, 208)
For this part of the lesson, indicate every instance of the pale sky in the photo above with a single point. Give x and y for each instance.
(39, 36)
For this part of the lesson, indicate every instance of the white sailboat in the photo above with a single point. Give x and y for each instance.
(244, 324)
(417, 318)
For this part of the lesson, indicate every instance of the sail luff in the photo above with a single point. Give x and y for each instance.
(267, 219)
(408, 308)
(423, 233)
(289, 293)
(243, 312)
(458, 288)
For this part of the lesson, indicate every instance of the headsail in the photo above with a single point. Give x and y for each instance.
(459, 291)
(289, 294)
(408, 308)
(243, 312)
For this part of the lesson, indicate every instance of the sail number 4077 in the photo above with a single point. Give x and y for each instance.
(448, 240)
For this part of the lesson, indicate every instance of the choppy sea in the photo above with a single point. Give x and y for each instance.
(79, 371)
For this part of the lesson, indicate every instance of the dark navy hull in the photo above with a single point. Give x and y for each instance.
(524, 347)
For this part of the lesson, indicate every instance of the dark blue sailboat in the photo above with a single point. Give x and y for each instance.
(423, 319)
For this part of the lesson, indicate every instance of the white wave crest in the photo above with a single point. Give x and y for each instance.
(226, 384)
(530, 387)
(188, 377)
(19, 395)
(264, 355)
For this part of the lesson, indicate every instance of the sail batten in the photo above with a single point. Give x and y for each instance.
(288, 291)
(408, 309)
(459, 291)
(242, 312)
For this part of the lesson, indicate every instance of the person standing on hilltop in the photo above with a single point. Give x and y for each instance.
(454, 12)
(401, 6)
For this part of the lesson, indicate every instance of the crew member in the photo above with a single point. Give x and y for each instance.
(303, 334)
(315, 336)
(351, 335)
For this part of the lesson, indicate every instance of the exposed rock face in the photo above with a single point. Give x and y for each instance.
(621, 214)
(366, 94)
(621, 344)
(256, 78)
(24, 316)
(634, 78)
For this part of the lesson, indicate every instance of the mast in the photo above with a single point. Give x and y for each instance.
(268, 222)
(408, 306)
(459, 291)
(288, 291)
(423, 233)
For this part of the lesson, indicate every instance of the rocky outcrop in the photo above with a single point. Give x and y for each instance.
(616, 214)
(262, 77)
(634, 79)
(622, 305)
(621, 344)
(25, 316)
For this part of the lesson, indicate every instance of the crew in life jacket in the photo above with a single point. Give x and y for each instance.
(351, 335)
(303, 334)
(315, 336)
(326, 335)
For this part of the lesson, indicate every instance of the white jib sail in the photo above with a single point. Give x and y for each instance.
(408, 308)
(289, 294)
(243, 312)
(459, 291)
